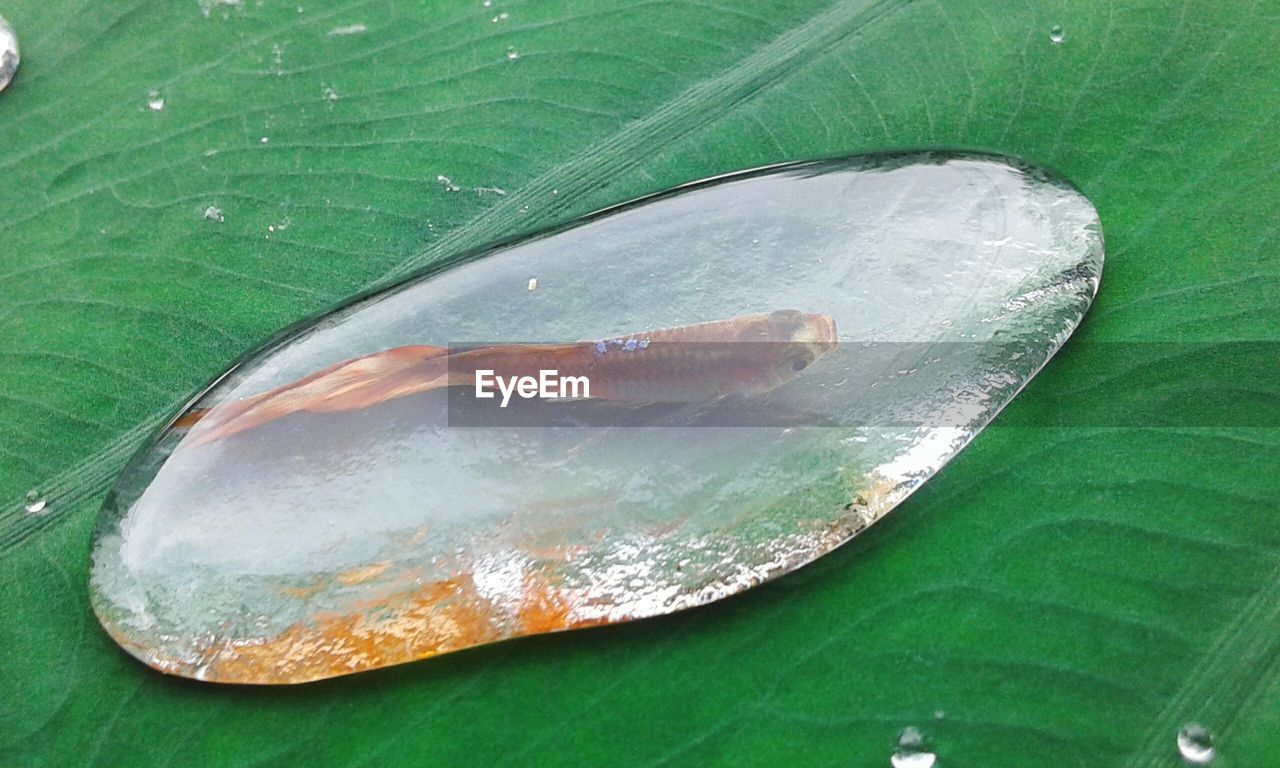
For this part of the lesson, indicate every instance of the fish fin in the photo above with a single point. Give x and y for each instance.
(345, 386)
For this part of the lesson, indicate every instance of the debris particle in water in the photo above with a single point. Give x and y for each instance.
(1195, 744)
(500, 17)
(533, 284)
(330, 95)
(213, 213)
(155, 102)
(447, 183)
(36, 502)
(8, 53)
(1056, 35)
(350, 29)
(263, 140)
(512, 54)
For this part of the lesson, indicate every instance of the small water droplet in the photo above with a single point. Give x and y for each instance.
(512, 54)
(213, 213)
(500, 17)
(8, 53)
(155, 102)
(911, 751)
(1195, 744)
(533, 284)
(1056, 35)
(36, 502)
(350, 29)
(207, 6)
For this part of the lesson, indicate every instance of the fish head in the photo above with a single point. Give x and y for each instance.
(790, 341)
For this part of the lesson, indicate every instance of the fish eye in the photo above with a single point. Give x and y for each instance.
(799, 364)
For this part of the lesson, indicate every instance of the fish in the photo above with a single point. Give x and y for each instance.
(746, 355)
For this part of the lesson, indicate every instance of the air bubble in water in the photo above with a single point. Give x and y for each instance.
(1056, 35)
(8, 53)
(911, 751)
(155, 101)
(36, 502)
(1195, 744)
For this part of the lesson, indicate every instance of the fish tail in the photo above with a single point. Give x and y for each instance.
(346, 386)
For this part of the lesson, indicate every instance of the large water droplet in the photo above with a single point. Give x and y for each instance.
(911, 751)
(1195, 744)
(1056, 35)
(9, 57)
(327, 488)
(36, 502)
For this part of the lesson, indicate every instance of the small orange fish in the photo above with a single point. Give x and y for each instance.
(746, 355)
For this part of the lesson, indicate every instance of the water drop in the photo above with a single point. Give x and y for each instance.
(8, 53)
(1056, 35)
(350, 29)
(207, 6)
(1195, 744)
(155, 102)
(213, 213)
(911, 751)
(533, 284)
(512, 54)
(36, 502)
(838, 218)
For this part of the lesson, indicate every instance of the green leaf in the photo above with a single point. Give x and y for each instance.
(1064, 595)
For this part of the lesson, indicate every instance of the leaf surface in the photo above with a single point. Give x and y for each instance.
(1064, 595)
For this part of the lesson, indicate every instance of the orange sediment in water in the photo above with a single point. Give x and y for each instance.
(432, 619)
